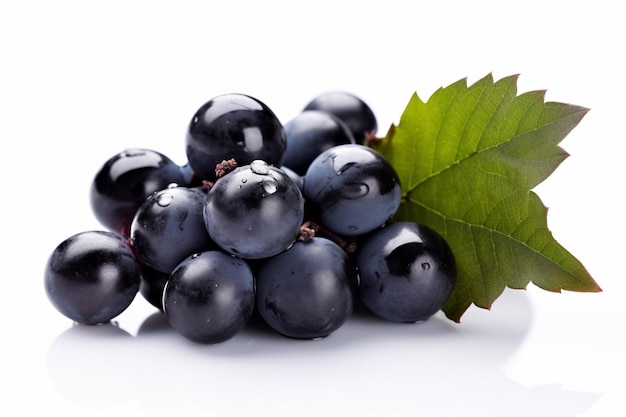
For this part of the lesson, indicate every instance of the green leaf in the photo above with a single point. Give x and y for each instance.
(468, 159)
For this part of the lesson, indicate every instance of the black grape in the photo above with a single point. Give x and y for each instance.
(152, 284)
(125, 180)
(254, 211)
(233, 126)
(309, 134)
(209, 297)
(407, 272)
(352, 189)
(308, 291)
(352, 110)
(191, 179)
(92, 277)
(297, 178)
(169, 227)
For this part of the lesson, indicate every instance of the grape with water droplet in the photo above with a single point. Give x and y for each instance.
(209, 297)
(407, 272)
(308, 291)
(124, 182)
(254, 211)
(351, 189)
(170, 226)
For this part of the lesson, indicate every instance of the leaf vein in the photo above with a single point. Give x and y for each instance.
(524, 243)
(481, 151)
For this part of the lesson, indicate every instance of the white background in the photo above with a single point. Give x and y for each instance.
(82, 80)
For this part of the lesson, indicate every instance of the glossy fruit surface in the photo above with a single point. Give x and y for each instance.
(407, 272)
(308, 291)
(209, 297)
(352, 110)
(92, 277)
(125, 180)
(295, 177)
(309, 134)
(169, 226)
(233, 126)
(352, 189)
(152, 284)
(254, 211)
(290, 226)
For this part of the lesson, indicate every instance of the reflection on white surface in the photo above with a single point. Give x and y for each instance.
(74, 91)
(369, 367)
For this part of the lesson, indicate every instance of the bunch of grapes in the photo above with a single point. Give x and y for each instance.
(292, 222)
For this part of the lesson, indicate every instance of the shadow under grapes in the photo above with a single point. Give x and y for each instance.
(368, 366)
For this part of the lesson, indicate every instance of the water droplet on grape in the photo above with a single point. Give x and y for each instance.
(164, 199)
(195, 255)
(353, 227)
(425, 266)
(259, 167)
(270, 185)
(355, 190)
(244, 180)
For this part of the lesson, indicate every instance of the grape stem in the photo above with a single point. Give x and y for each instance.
(225, 167)
(207, 185)
(310, 229)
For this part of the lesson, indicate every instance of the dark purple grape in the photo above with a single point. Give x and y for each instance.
(233, 126)
(169, 227)
(254, 211)
(352, 110)
(152, 284)
(123, 183)
(308, 291)
(297, 178)
(352, 189)
(209, 297)
(191, 179)
(309, 134)
(92, 277)
(407, 272)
